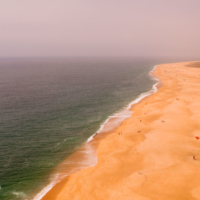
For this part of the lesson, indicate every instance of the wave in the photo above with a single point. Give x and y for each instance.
(110, 123)
(126, 112)
(89, 160)
(46, 189)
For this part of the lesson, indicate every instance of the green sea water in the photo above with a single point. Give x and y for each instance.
(49, 106)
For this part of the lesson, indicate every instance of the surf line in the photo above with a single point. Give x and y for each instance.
(120, 116)
(126, 113)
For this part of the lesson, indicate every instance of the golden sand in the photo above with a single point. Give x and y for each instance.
(157, 156)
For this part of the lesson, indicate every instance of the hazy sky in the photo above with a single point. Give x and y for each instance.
(100, 28)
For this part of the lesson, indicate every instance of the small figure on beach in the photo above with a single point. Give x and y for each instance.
(194, 157)
(197, 137)
(163, 121)
(139, 131)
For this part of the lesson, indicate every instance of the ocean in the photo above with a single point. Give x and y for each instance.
(50, 106)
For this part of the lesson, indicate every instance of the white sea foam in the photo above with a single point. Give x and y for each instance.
(19, 194)
(46, 189)
(126, 112)
(91, 160)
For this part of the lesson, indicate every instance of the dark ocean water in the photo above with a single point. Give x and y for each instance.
(48, 107)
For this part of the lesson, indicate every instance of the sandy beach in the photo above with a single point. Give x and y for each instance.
(155, 154)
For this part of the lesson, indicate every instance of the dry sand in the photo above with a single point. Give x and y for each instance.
(156, 163)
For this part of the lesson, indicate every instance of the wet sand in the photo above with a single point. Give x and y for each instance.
(153, 155)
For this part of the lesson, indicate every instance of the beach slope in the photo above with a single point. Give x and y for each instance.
(155, 154)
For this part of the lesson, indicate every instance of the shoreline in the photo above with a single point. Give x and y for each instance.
(157, 154)
(103, 131)
(127, 109)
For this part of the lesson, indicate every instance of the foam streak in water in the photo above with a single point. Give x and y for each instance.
(89, 160)
(120, 116)
(117, 118)
(44, 191)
